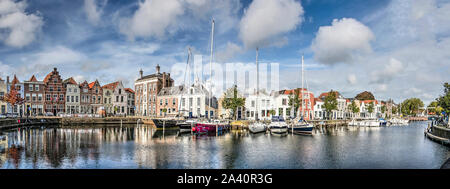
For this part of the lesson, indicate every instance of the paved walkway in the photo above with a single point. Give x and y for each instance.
(446, 165)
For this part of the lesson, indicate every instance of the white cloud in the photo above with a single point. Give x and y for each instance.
(18, 28)
(265, 20)
(393, 68)
(151, 19)
(341, 41)
(94, 10)
(351, 78)
(229, 52)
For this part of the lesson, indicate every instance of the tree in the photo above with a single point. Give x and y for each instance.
(272, 112)
(353, 107)
(365, 96)
(394, 110)
(13, 97)
(232, 101)
(432, 108)
(295, 100)
(370, 108)
(383, 109)
(411, 106)
(444, 100)
(330, 103)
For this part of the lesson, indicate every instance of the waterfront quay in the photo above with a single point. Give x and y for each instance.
(143, 146)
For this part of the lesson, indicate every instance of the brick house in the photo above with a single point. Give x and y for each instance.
(54, 93)
(147, 89)
(131, 101)
(85, 96)
(96, 92)
(34, 97)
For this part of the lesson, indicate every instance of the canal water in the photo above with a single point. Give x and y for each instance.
(130, 147)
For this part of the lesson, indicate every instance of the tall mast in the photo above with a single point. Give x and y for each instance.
(187, 86)
(210, 70)
(303, 115)
(257, 83)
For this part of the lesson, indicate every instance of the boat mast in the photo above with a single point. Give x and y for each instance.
(303, 116)
(257, 83)
(187, 68)
(210, 70)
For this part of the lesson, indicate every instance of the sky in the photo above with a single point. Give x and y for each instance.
(395, 49)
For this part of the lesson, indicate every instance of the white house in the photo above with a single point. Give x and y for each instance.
(265, 103)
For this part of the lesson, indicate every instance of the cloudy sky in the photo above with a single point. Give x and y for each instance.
(395, 49)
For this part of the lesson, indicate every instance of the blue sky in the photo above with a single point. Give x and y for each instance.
(395, 49)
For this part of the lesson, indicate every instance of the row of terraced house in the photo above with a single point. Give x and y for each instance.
(53, 95)
(157, 96)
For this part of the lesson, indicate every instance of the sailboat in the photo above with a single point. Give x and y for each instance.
(257, 126)
(186, 125)
(210, 126)
(302, 126)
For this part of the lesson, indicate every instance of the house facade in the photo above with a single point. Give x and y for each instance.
(107, 99)
(17, 108)
(85, 96)
(119, 98)
(96, 92)
(54, 93)
(259, 106)
(130, 101)
(341, 111)
(147, 89)
(34, 97)
(73, 105)
(3, 92)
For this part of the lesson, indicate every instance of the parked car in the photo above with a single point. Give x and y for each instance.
(49, 114)
(2, 116)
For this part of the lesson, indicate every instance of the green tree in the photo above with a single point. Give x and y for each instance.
(411, 106)
(444, 100)
(432, 107)
(353, 107)
(330, 103)
(295, 100)
(394, 110)
(272, 112)
(370, 108)
(383, 109)
(232, 101)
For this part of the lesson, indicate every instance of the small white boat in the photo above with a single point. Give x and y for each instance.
(278, 125)
(257, 127)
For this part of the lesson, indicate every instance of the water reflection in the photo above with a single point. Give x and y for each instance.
(144, 147)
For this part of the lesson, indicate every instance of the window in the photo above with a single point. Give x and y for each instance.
(120, 91)
(121, 99)
(167, 103)
(28, 97)
(75, 90)
(47, 97)
(106, 100)
(117, 98)
(173, 101)
(198, 101)
(51, 89)
(99, 100)
(76, 98)
(93, 99)
(34, 97)
(72, 98)
(59, 88)
(160, 102)
(61, 97)
(253, 104)
(190, 102)
(283, 101)
(70, 90)
(55, 96)
(31, 87)
(36, 87)
(68, 98)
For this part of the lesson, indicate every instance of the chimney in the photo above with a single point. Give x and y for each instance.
(141, 73)
(157, 68)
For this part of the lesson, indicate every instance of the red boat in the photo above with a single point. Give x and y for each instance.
(209, 127)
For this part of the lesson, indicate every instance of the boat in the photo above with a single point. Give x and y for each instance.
(398, 122)
(186, 125)
(210, 127)
(257, 127)
(278, 125)
(302, 126)
(353, 122)
(165, 123)
(372, 123)
(383, 122)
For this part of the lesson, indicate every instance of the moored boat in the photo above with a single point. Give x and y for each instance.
(278, 125)
(301, 127)
(257, 127)
(165, 123)
(186, 126)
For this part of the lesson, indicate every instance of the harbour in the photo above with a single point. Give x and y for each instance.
(132, 146)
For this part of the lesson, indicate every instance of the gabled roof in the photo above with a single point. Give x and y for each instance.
(111, 85)
(15, 80)
(85, 83)
(33, 79)
(369, 101)
(91, 85)
(70, 81)
(129, 90)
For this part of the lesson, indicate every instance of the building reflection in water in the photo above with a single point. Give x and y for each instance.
(144, 147)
